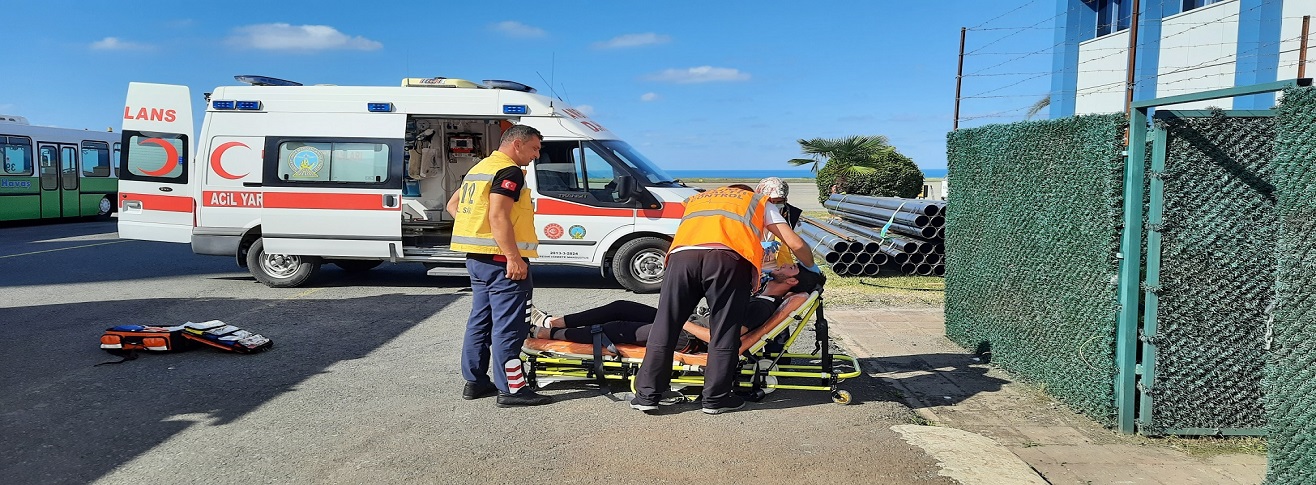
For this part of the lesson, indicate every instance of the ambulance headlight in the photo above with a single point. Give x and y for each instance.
(379, 107)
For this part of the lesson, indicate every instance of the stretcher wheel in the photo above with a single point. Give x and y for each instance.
(841, 396)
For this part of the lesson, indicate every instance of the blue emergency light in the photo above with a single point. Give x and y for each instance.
(379, 107)
(248, 105)
(515, 109)
(223, 104)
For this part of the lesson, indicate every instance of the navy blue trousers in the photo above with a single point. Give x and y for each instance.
(498, 322)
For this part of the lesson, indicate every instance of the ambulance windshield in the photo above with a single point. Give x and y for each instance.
(633, 159)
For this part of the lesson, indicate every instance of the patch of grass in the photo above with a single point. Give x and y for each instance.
(1208, 446)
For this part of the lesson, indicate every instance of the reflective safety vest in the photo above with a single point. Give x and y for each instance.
(471, 232)
(730, 217)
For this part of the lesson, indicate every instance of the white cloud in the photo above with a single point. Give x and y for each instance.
(287, 37)
(649, 97)
(586, 109)
(117, 44)
(513, 28)
(701, 74)
(633, 40)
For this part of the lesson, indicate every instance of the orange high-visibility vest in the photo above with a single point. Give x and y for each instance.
(727, 216)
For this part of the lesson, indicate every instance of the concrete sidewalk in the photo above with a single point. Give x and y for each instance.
(949, 387)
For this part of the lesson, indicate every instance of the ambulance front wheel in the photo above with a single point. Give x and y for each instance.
(640, 263)
(280, 270)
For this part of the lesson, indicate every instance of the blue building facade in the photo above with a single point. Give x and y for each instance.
(1183, 45)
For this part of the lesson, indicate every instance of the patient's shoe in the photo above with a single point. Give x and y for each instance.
(538, 318)
(476, 390)
(524, 397)
(730, 403)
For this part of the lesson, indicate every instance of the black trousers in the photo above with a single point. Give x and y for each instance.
(623, 321)
(725, 279)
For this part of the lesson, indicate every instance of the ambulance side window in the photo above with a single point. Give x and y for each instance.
(335, 162)
(578, 173)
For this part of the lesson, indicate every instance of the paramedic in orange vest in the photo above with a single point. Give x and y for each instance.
(716, 254)
(494, 224)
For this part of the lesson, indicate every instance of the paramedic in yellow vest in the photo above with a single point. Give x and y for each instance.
(716, 254)
(494, 224)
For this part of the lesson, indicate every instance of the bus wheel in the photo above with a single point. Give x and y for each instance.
(280, 270)
(639, 264)
(356, 265)
(106, 207)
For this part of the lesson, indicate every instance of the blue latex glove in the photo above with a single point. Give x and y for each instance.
(770, 246)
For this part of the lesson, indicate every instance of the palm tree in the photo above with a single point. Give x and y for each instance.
(866, 162)
(1038, 106)
(850, 151)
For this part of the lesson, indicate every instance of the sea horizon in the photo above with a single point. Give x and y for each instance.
(762, 173)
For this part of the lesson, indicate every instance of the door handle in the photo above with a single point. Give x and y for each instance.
(251, 184)
(390, 201)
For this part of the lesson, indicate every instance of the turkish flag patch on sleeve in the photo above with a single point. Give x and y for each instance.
(509, 185)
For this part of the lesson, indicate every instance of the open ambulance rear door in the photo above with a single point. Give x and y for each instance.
(156, 202)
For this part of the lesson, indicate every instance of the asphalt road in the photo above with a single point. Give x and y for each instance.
(361, 387)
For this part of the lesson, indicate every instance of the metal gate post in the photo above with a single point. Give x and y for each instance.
(1130, 277)
(1155, 217)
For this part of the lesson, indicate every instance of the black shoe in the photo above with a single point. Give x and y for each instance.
(640, 405)
(522, 398)
(476, 390)
(730, 403)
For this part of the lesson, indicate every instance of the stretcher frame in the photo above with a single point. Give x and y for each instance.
(760, 371)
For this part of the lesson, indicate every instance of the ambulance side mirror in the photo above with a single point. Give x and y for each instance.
(626, 187)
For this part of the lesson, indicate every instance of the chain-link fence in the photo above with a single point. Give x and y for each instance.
(1290, 384)
(1031, 243)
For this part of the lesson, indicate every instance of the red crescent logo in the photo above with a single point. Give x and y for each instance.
(171, 157)
(219, 153)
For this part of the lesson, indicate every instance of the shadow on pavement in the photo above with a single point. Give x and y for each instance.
(934, 379)
(67, 421)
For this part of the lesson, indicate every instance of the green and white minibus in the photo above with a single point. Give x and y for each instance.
(48, 173)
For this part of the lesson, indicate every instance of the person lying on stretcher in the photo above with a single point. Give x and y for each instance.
(628, 322)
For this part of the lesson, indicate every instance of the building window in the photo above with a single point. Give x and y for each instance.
(1192, 4)
(1113, 15)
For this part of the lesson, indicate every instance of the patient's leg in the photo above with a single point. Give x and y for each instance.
(620, 310)
(619, 332)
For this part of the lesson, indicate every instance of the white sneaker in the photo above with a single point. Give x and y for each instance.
(538, 318)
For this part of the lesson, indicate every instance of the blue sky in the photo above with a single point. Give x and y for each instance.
(694, 85)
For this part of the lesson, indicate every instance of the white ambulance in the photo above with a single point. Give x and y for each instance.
(286, 177)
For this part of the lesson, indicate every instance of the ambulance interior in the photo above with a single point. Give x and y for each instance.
(439, 153)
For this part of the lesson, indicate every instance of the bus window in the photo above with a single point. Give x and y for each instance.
(49, 168)
(95, 159)
(69, 169)
(16, 153)
(118, 154)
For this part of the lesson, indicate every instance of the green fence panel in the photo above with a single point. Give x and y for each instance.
(1216, 276)
(1290, 373)
(1032, 236)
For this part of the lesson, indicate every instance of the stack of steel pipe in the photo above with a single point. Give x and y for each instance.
(867, 233)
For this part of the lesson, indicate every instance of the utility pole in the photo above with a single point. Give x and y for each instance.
(959, 81)
(1133, 56)
(1302, 50)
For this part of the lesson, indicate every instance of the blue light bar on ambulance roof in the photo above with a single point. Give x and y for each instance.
(248, 105)
(515, 109)
(223, 104)
(379, 107)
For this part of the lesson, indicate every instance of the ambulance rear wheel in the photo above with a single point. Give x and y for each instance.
(639, 264)
(280, 270)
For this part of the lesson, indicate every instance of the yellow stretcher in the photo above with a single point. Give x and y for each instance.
(761, 371)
